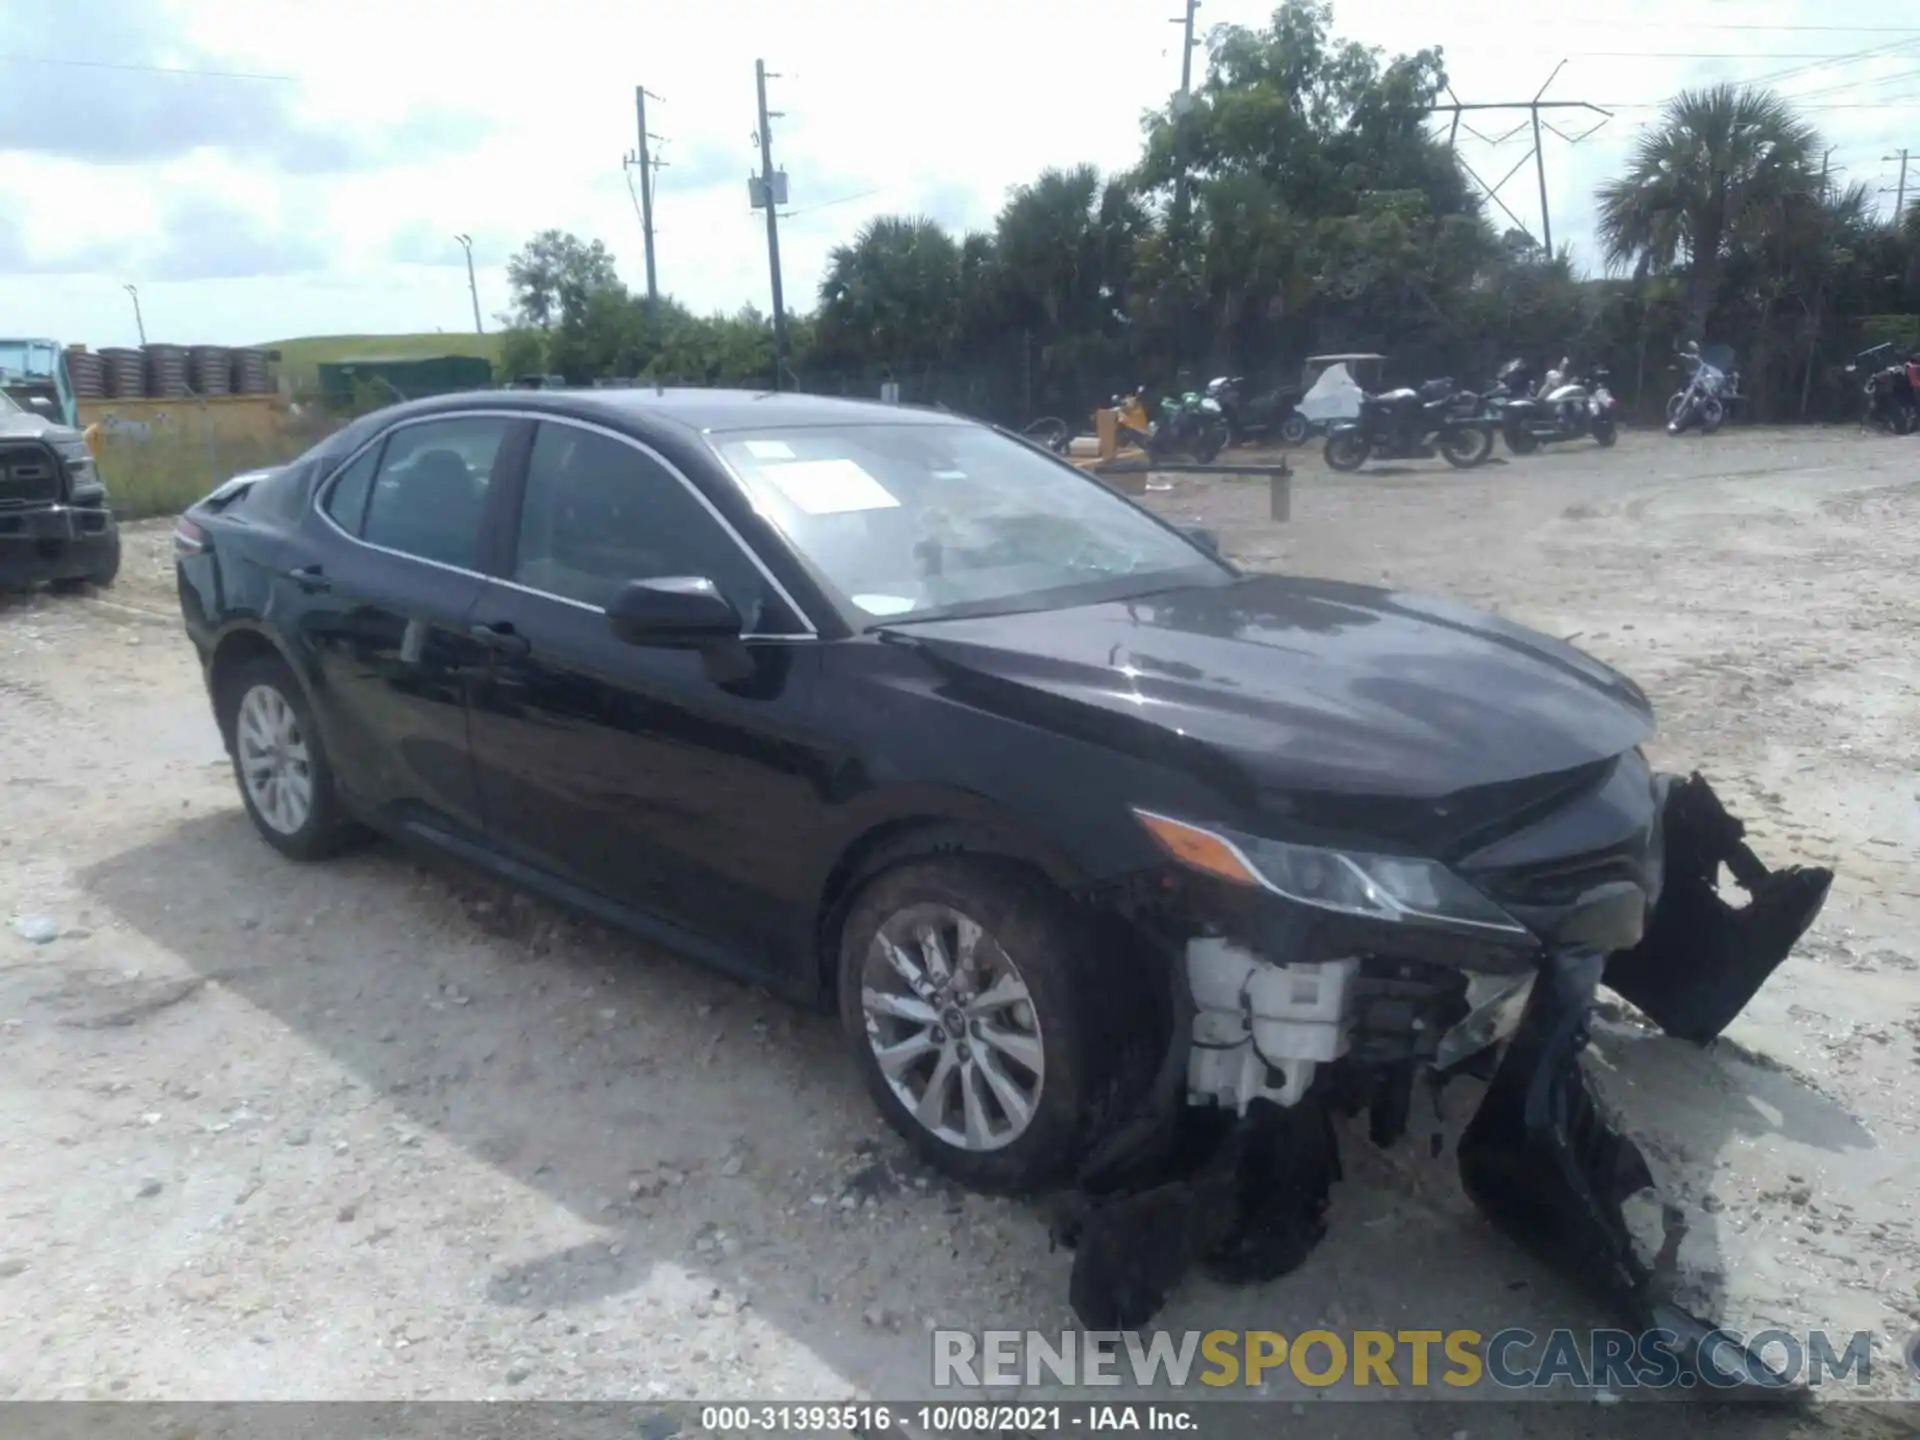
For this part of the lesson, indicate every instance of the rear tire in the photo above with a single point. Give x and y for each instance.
(1520, 440)
(1213, 439)
(1712, 418)
(1604, 432)
(1057, 1045)
(1347, 450)
(1466, 447)
(1294, 430)
(268, 726)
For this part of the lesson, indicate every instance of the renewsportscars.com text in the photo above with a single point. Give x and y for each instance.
(1457, 1360)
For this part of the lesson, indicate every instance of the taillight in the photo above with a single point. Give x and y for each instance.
(188, 539)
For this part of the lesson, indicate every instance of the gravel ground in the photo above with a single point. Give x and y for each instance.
(378, 1130)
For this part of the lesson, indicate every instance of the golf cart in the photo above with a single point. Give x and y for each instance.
(1333, 384)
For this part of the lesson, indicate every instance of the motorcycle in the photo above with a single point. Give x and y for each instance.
(1890, 392)
(1704, 398)
(1409, 424)
(1268, 412)
(1191, 423)
(1552, 413)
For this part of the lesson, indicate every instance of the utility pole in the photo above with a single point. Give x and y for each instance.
(771, 193)
(1533, 108)
(473, 288)
(1182, 105)
(1900, 191)
(139, 324)
(640, 94)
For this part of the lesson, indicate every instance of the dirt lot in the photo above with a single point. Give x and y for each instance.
(372, 1130)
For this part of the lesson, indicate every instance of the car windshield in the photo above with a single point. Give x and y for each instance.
(918, 520)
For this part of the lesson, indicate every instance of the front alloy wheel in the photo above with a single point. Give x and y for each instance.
(951, 1024)
(985, 1035)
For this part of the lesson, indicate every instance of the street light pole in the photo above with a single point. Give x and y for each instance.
(473, 289)
(139, 324)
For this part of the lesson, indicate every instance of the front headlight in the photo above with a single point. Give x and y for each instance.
(1392, 888)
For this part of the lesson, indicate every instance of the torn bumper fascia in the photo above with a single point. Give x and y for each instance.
(1185, 1184)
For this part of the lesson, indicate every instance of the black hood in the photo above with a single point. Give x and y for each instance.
(1302, 685)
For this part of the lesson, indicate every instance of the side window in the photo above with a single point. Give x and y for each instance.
(347, 499)
(431, 489)
(599, 514)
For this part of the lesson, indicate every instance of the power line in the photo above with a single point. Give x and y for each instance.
(134, 68)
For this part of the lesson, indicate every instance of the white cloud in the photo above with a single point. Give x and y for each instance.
(340, 190)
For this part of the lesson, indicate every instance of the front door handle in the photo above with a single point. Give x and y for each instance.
(502, 639)
(309, 578)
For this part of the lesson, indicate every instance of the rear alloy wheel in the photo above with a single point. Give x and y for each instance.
(1294, 429)
(965, 990)
(1467, 446)
(1347, 450)
(286, 782)
(1712, 416)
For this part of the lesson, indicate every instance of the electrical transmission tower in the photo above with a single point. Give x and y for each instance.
(1537, 154)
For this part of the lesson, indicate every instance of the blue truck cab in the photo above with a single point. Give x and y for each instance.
(34, 372)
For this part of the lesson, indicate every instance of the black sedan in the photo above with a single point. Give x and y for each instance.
(1120, 867)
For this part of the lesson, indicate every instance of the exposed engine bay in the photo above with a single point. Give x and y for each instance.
(1230, 1161)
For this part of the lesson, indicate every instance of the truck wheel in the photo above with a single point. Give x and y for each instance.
(985, 1033)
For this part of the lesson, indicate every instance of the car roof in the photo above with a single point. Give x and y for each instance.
(688, 408)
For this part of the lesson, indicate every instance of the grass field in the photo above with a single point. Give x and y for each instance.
(300, 360)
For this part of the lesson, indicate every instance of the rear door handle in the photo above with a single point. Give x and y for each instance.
(502, 639)
(309, 578)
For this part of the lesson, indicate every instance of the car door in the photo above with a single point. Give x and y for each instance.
(384, 612)
(642, 774)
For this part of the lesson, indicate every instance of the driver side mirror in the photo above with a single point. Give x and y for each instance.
(1206, 539)
(684, 612)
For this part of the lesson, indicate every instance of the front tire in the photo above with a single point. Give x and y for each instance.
(1213, 439)
(1466, 447)
(983, 1033)
(280, 762)
(1604, 432)
(1347, 450)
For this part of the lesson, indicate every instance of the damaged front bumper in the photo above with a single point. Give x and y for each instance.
(1231, 1170)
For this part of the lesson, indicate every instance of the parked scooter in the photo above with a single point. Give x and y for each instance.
(1410, 425)
(1261, 414)
(1557, 410)
(1704, 399)
(1890, 391)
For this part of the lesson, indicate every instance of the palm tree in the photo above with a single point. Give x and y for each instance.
(1724, 166)
(893, 295)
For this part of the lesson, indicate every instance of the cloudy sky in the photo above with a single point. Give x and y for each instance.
(292, 167)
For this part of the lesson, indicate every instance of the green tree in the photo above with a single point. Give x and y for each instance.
(892, 296)
(552, 275)
(1725, 166)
